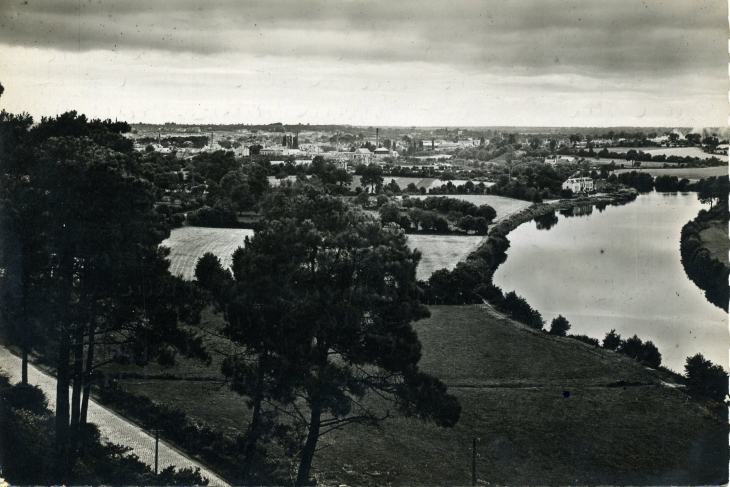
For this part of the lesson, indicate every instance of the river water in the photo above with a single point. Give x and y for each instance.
(619, 268)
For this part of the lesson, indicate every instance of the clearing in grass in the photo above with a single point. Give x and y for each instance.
(441, 251)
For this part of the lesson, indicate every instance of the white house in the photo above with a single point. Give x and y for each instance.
(579, 185)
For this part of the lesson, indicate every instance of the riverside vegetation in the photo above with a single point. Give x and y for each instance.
(704, 243)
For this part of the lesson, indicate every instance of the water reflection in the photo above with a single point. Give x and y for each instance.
(547, 221)
(619, 269)
(577, 210)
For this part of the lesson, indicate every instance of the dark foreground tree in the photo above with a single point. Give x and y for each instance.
(90, 277)
(325, 298)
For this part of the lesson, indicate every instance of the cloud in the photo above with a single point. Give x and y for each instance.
(533, 37)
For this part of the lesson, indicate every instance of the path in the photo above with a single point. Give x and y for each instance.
(111, 426)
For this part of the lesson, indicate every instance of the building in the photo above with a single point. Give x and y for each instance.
(271, 151)
(362, 156)
(579, 185)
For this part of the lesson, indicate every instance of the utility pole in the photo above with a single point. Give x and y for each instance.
(473, 462)
(157, 446)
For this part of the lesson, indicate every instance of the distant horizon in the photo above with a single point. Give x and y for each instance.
(522, 63)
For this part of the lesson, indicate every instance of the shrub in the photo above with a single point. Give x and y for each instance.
(612, 341)
(559, 326)
(705, 378)
(646, 353)
(518, 309)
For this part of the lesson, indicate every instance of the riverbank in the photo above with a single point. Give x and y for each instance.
(703, 243)
(538, 210)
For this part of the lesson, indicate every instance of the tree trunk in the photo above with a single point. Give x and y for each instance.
(87, 375)
(78, 376)
(305, 465)
(63, 379)
(24, 364)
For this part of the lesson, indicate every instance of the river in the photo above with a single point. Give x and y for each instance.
(619, 268)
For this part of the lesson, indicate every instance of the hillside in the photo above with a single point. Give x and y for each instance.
(546, 410)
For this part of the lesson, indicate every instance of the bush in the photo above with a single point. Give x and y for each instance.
(559, 326)
(646, 353)
(706, 379)
(219, 216)
(612, 341)
(518, 309)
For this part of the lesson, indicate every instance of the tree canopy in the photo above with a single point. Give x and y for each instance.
(324, 297)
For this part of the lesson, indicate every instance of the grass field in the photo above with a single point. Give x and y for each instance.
(669, 151)
(715, 238)
(441, 251)
(546, 410)
(503, 206)
(188, 244)
(682, 172)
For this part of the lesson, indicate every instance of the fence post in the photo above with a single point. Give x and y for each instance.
(474, 461)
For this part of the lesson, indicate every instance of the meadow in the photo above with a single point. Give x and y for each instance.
(691, 173)
(441, 251)
(503, 206)
(668, 151)
(188, 244)
(544, 409)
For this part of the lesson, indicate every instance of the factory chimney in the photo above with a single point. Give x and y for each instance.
(377, 138)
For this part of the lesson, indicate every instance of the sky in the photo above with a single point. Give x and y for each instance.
(395, 62)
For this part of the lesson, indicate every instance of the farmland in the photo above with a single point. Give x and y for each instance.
(188, 244)
(682, 172)
(426, 183)
(715, 238)
(669, 151)
(503, 206)
(545, 409)
(441, 251)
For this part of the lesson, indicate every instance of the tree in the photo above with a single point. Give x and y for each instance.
(559, 326)
(94, 233)
(372, 175)
(705, 378)
(325, 297)
(612, 341)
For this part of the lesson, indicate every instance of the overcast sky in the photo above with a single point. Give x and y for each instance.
(394, 62)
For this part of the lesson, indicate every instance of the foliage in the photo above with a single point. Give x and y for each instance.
(670, 183)
(706, 271)
(645, 352)
(81, 229)
(323, 302)
(559, 326)
(27, 449)
(372, 175)
(640, 180)
(221, 215)
(705, 378)
(612, 341)
(517, 308)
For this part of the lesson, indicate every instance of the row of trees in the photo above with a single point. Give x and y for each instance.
(84, 281)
